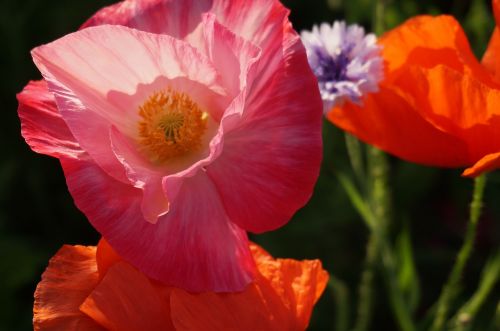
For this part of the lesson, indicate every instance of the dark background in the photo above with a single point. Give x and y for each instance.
(37, 214)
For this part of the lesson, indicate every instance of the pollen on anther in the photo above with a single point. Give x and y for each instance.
(171, 125)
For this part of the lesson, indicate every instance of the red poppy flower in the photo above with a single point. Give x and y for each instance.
(85, 290)
(438, 105)
(179, 128)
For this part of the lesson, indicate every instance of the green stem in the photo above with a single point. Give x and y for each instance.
(377, 247)
(377, 215)
(340, 293)
(489, 278)
(355, 152)
(379, 189)
(399, 306)
(450, 289)
(365, 291)
(379, 205)
(378, 22)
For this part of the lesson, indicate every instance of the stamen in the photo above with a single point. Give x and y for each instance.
(172, 125)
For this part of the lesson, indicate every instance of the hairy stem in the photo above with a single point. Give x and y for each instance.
(365, 290)
(450, 289)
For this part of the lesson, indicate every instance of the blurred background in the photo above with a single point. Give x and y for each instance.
(37, 214)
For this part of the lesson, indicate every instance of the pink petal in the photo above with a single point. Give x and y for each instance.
(258, 21)
(149, 15)
(231, 55)
(272, 155)
(265, 25)
(142, 174)
(234, 58)
(41, 124)
(194, 246)
(262, 19)
(92, 71)
(150, 177)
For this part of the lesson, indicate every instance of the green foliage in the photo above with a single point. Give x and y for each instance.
(408, 280)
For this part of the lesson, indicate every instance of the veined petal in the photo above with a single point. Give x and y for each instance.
(149, 15)
(194, 246)
(123, 298)
(86, 71)
(231, 55)
(266, 25)
(69, 278)
(412, 139)
(225, 49)
(428, 41)
(450, 95)
(446, 98)
(281, 298)
(126, 300)
(275, 154)
(420, 33)
(42, 126)
(262, 17)
(105, 257)
(299, 284)
(490, 58)
(142, 174)
(246, 311)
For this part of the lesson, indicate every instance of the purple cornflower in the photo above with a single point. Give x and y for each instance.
(346, 62)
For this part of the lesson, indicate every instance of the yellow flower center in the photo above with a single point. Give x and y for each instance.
(171, 125)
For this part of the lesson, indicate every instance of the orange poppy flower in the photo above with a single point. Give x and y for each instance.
(438, 105)
(89, 288)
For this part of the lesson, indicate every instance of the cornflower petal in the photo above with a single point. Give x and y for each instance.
(346, 62)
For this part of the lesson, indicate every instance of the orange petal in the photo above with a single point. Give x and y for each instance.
(126, 300)
(423, 32)
(391, 121)
(438, 105)
(427, 41)
(460, 98)
(245, 311)
(299, 284)
(281, 298)
(458, 104)
(105, 257)
(486, 164)
(496, 11)
(491, 58)
(69, 278)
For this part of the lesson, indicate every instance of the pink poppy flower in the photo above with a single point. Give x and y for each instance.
(179, 128)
